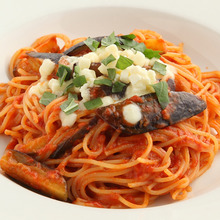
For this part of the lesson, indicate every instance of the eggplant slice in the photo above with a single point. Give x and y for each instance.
(182, 105)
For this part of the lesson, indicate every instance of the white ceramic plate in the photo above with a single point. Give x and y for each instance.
(200, 43)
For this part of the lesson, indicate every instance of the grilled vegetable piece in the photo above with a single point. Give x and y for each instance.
(69, 142)
(34, 174)
(182, 105)
(76, 50)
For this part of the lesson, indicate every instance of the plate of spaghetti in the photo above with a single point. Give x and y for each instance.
(114, 119)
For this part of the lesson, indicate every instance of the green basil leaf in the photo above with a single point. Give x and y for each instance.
(106, 82)
(161, 90)
(140, 47)
(118, 87)
(152, 53)
(94, 103)
(64, 73)
(76, 70)
(63, 77)
(68, 87)
(92, 43)
(108, 60)
(159, 67)
(111, 39)
(111, 73)
(128, 43)
(123, 62)
(129, 36)
(79, 81)
(70, 105)
(47, 98)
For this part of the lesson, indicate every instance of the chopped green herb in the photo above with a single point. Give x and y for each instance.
(129, 36)
(63, 77)
(94, 103)
(64, 73)
(68, 87)
(151, 53)
(123, 62)
(161, 90)
(79, 81)
(140, 47)
(159, 67)
(92, 43)
(47, 98)
(76, 70)
(111, 73)
(111, 39)
(72, 96)
(108, 60)
(118, 87)
(70, 105)
(106, 82)
(128, 43)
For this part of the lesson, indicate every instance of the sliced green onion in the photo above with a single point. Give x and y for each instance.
(63, 77)
(70, 105)
(94, 103)
(92, 43)
(111, 73)
(76, 70)
(68, 87)
(79, 81)
(106, 82)
(47, 98)
(152, 53)
(64, 73)
(161, 90)
(118, 87)
(108, 60)
(111, 39)
(123, 62)
(159, 67)
(128, 43)
(140, 47)
(72, 96)
(129, 36)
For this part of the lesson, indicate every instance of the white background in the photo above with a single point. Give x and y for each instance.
(20, 204)
(14, 13)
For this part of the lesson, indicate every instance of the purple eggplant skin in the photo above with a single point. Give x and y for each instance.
(69, 142)
(76, 50)
(182, 105)
(32, 173)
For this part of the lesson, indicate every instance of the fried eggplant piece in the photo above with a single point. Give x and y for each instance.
(25, 169)
(182, 105)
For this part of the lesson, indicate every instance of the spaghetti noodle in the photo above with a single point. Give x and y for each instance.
(106, 168)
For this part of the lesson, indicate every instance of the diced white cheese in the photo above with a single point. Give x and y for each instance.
(213, 131)
(153, 60)
(38, 89)
(67, 120)
(84, 63)
(112, 50)
(89, 74)
(55, 87)
(132, 113)
(171, 71)
(103, 69)
(107, 100)
(85, 93)
(128, 53)
(46, 69)
(124, 76)
(92, 56)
